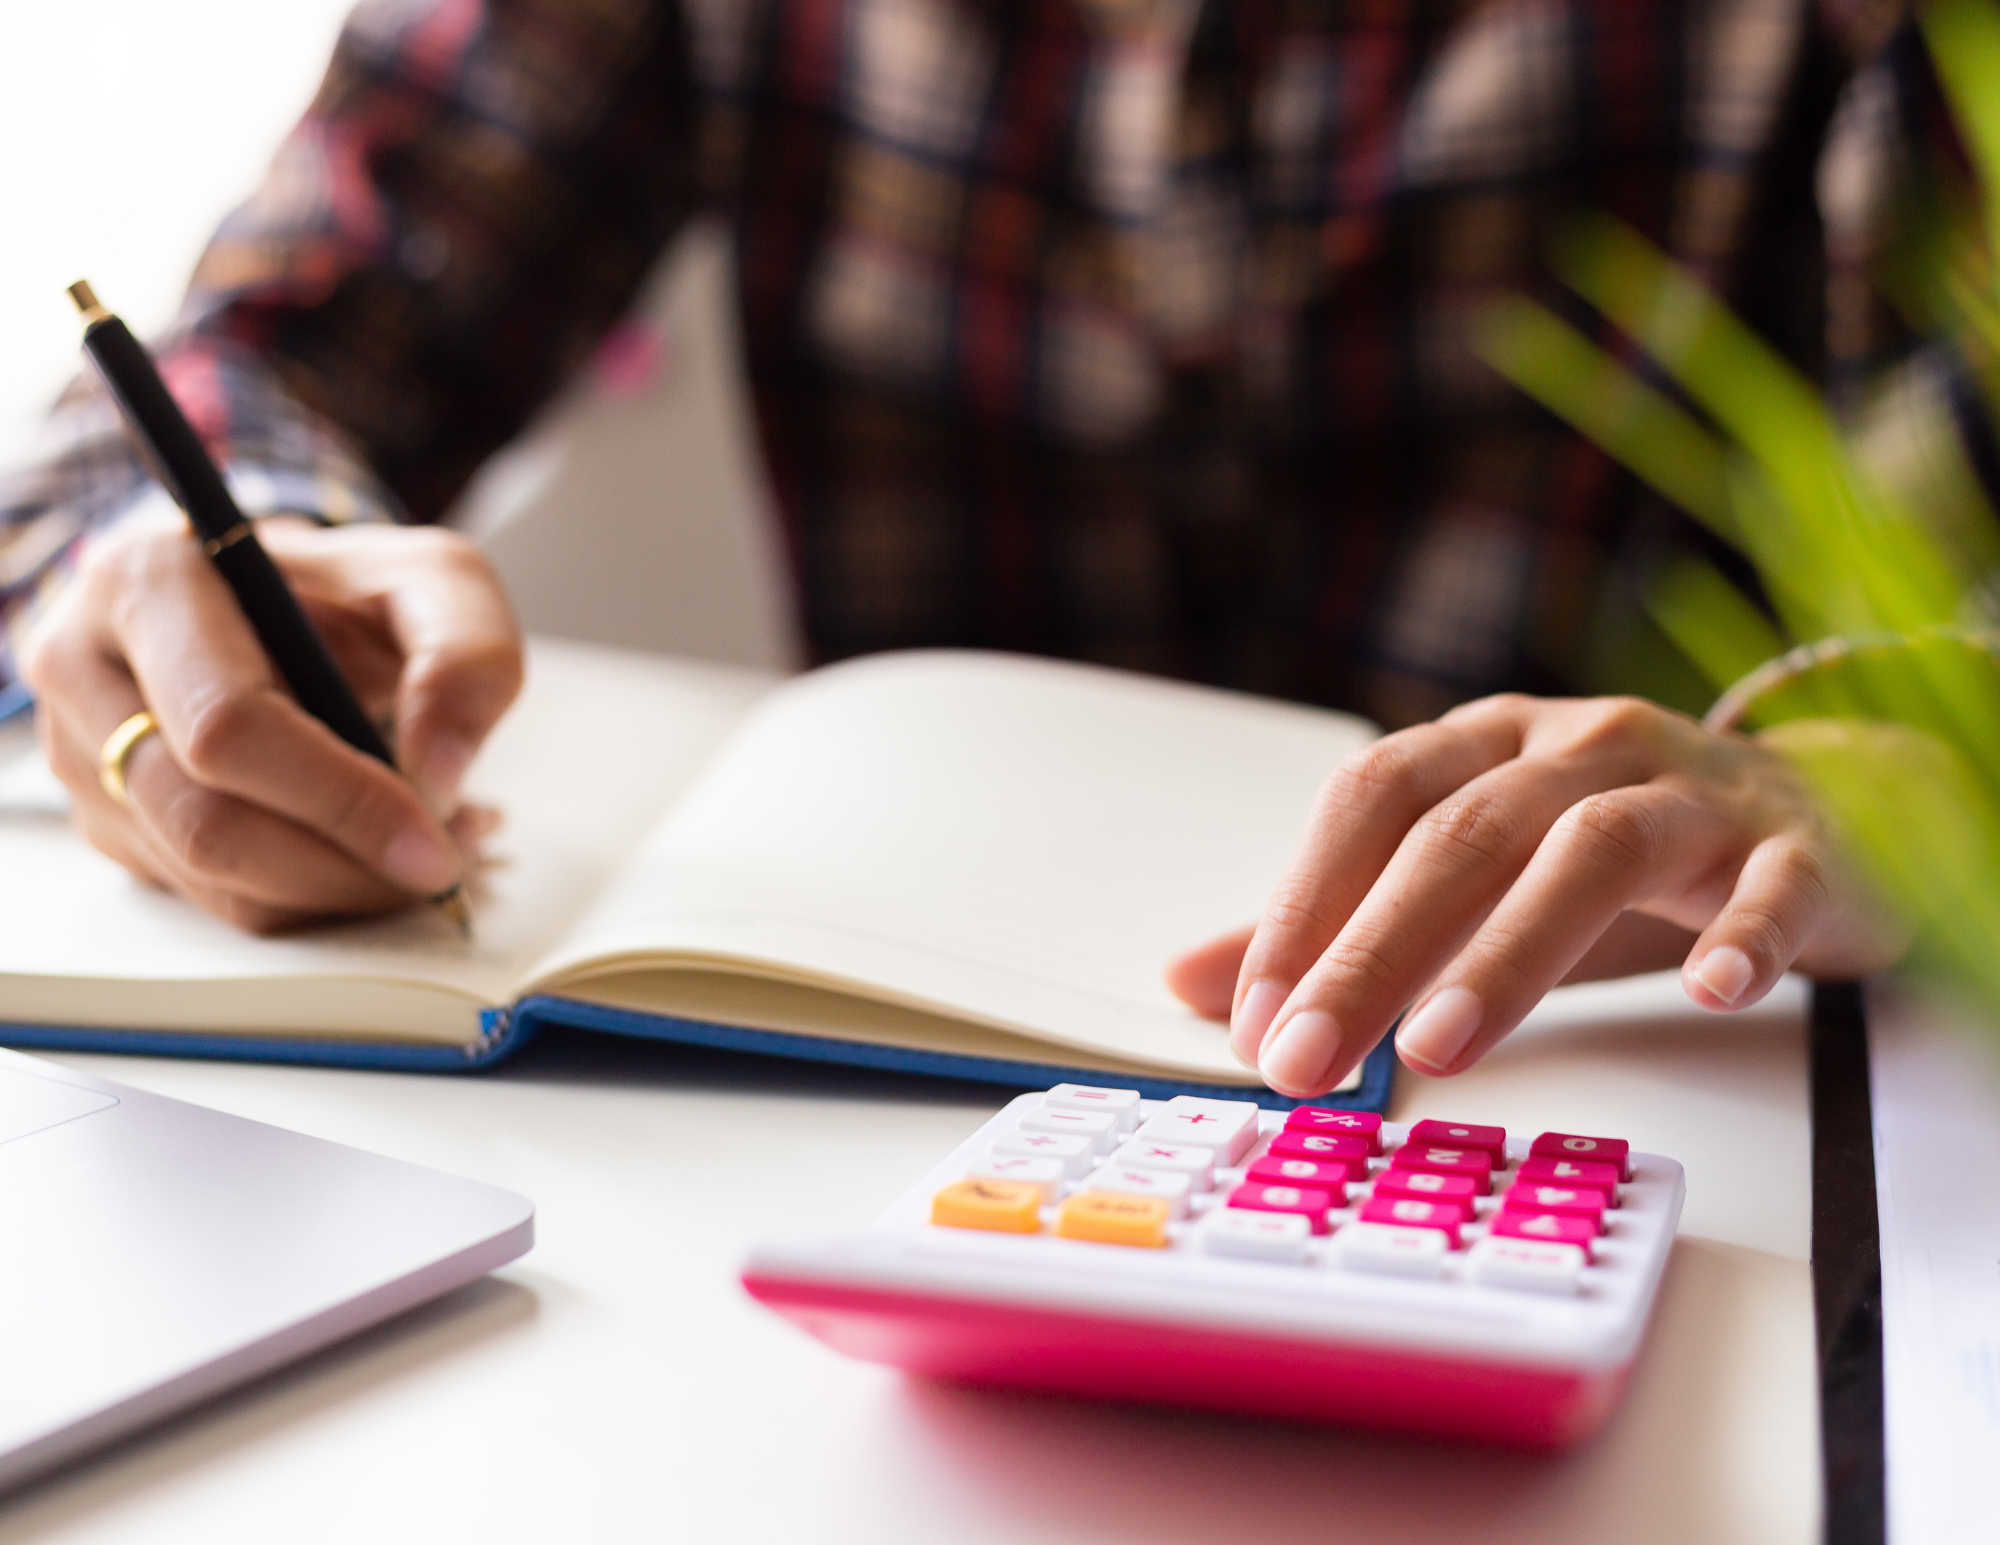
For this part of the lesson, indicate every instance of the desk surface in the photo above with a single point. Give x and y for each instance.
(616, 1385)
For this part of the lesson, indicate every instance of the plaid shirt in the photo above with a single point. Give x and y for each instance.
(1134, 331)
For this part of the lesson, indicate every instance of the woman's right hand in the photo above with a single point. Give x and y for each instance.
(243, 803)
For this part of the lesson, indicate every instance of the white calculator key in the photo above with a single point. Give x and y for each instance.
(1227, 1126)
(1525, 1265)
(1198, 1164)
(1390, 1250)
(1256, 1236)
(1100, 1127)
(1049, 1174)
(1130, 1180)
(1075, 1154)
(1123, 1103)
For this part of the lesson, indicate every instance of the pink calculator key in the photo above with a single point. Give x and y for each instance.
(1460, 1134)
(1573, 1172)
(1324, 1146)
(1546, 1227)
(1276, 1170)
(1563, 1201)
(1599, 1150)
(1347, 1123)
(1408, 1212)
(1427, 1186)
(1474, 1163)
(1305, 1202)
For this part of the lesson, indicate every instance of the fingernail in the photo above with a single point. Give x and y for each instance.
(1725, 971)
(1301, 1052)
(419, 862)
(443, 769)
(1433, 1037)
(1254, 1014)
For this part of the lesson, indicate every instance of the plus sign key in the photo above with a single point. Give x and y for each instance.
(1228, 1127)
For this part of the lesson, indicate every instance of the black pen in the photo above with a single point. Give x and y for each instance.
(190, 476)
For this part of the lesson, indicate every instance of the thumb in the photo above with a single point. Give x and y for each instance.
(1205, 977)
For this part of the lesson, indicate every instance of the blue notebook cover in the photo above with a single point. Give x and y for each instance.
(507, 1030)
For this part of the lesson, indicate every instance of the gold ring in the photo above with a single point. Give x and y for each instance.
(118, 748)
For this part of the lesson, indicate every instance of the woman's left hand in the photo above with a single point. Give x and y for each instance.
(1462, 868)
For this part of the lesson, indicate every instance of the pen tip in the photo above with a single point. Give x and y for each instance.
(452, 904)
(86, 301)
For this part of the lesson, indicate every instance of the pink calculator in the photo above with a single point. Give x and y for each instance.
(1447, 1279)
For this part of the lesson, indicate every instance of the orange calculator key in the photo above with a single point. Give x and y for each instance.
(1112, 1218)
(1011, 1206)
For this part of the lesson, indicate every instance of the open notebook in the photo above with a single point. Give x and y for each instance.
(972, 864)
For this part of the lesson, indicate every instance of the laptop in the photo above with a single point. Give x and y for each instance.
(153, 1254)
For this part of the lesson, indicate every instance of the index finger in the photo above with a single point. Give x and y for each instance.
(464, 668)
(1362, 814)
(448, 614)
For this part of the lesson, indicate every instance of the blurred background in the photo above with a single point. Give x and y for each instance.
(133, 126)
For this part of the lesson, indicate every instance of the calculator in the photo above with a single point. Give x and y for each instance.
(1446, 1279)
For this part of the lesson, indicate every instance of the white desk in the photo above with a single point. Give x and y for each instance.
(617, 1385)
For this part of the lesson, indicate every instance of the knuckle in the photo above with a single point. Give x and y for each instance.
(47, 655)
(365, 815)
(1612, 830)
(1356, 963)
(1385, 766)
(1508, 703)
(1473, 824)
(1802, 873)
(220, 731)
(253, 917)
(1760, 933)
(482, 679)
(1295, 908)
(66, 758)
(124, 565)
(1502, 960)
(200, 828)
(1618, 723)
(447, 549)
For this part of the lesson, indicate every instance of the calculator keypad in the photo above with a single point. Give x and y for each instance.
(1319, 1190)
